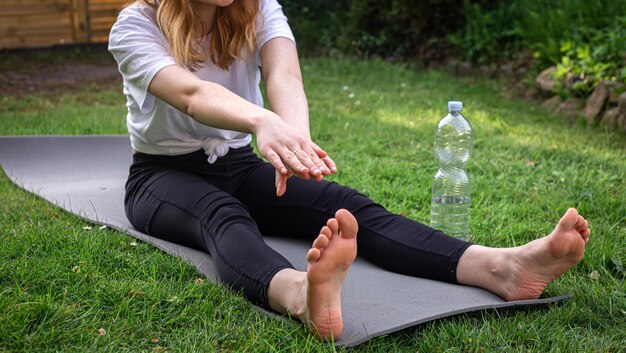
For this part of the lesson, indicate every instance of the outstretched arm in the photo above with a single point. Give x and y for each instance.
(214, 105)
(285, 92)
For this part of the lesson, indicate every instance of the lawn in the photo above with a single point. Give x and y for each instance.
(67, 285)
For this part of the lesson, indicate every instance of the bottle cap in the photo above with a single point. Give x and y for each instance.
(455, 106)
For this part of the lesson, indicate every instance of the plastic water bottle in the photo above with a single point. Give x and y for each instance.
(450, 205)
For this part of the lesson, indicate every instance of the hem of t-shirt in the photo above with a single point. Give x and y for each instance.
(275, 34)
(140, 146)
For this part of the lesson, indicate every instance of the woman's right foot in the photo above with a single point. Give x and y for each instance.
(329, 260)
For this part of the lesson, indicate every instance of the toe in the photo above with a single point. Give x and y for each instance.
(313, 255)
(349, 225)
(585, 234)
(321, 242)
(333, 225)
(569, 219)
(326, 231)
(580, 222)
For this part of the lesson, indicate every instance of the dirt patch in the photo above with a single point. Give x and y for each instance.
(38, 71)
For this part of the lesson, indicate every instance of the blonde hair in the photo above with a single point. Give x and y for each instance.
(234, 30)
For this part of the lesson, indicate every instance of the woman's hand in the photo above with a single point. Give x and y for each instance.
(291, 152)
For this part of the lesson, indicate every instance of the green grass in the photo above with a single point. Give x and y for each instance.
(60, 283)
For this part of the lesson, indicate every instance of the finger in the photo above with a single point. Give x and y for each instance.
(319, 163)
(328, 162)
(307, 157)
(281, 183)
(320, 152)
(292, 161)
(275, 160)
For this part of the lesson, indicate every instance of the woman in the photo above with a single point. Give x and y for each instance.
(191, 78)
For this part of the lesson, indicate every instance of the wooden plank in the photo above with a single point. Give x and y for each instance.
(31, 42)
(50, 9)
(40, 20)
(35, 23)
(81, 25)
(61, 31)
(12, 3)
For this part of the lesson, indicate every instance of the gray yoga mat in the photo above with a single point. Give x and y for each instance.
(85, 175)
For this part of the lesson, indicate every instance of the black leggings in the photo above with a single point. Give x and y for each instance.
(224, 208)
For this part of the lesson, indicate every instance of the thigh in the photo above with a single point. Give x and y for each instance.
(173, 205)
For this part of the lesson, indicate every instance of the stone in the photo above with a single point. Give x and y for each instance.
(621, 103)
(545, 82)
(506, 70)
(614, 87)
(621, 122)
(595, 103)
(571, 108)
(515, 91)
(610, 118)
(486, 71)
(464, 68)
(551, 104)
(531, 94)
(570, 79)
(452, 64)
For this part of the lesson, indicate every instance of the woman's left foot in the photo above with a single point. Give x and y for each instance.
(536, 264)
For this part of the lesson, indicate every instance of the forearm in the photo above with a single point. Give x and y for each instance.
(286, 96)
(216, 106)
(207, 102)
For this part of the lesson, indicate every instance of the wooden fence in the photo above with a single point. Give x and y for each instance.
(43, 23)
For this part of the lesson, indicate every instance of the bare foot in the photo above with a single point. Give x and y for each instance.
(541, 261)
(525, 271)
(329, 260)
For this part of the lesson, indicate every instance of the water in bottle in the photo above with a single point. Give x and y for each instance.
(450, 204)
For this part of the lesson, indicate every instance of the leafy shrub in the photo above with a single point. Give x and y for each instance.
(594, 56)
(489, 35)
(371, 27)
(585, 39)
(316, 23)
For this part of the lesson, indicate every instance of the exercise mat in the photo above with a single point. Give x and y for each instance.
(85, 175)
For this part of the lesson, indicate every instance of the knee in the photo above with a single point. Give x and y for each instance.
(221, 216)
(353, 201)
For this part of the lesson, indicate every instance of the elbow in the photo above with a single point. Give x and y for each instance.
(192, 99)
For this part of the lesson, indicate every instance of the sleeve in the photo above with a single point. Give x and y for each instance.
(140, 51)
(272, 23)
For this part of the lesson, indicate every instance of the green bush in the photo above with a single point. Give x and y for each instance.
(586, 39)
(593, 56)
(369, 27)
(316, 24)
(489, 35)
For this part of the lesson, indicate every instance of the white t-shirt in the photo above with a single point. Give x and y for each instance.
(155, 127)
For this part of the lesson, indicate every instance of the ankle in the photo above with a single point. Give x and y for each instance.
(298, 307)
(287, 292)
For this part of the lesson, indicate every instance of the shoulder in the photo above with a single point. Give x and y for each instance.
(269, 6)
(137, 15)
(135, 23)
(272, 23)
